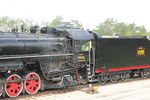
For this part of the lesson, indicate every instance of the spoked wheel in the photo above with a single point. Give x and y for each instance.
(145, 73)
(125, 76)
(101, 79)
(114, 77)
(1, 88)
(32, 83)
(13, 87)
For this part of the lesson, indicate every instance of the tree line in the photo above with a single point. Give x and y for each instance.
(112, 27)
(109, 27)
(8, 24)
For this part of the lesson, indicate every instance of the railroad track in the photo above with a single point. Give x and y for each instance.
(71, 89)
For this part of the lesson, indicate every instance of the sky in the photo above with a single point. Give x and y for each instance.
(89, 12)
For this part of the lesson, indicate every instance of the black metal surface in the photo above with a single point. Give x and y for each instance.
(6, 65)
(24, 44)
(121, 52)
(78, 34)
(17, 46)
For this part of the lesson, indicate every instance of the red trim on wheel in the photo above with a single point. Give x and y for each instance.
(32, 86)
(123, 68)
(13, 89)
(1, 89)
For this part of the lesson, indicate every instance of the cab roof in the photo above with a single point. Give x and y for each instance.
(79, 34)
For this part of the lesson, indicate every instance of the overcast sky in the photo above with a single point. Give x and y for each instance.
(89, 12)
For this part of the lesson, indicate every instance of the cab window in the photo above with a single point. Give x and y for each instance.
(82, 46)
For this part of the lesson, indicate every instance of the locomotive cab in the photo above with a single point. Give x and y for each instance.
(83, 49)
(79, 42)
(82, 45)
(83, 52)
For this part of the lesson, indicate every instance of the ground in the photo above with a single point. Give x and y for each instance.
(132, 90)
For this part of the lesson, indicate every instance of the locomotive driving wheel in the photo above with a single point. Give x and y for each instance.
(32, 83)
(1, 88)
(13, 85)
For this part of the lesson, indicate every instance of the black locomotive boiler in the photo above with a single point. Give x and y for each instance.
(68, 56)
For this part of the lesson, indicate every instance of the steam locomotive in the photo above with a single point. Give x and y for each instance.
(67, 56)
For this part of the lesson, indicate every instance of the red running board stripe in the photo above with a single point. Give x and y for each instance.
(123, 68)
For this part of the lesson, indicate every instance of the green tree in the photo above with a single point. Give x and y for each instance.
(113, 27)
(7, 24)
(55, 22)
(107, 27)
